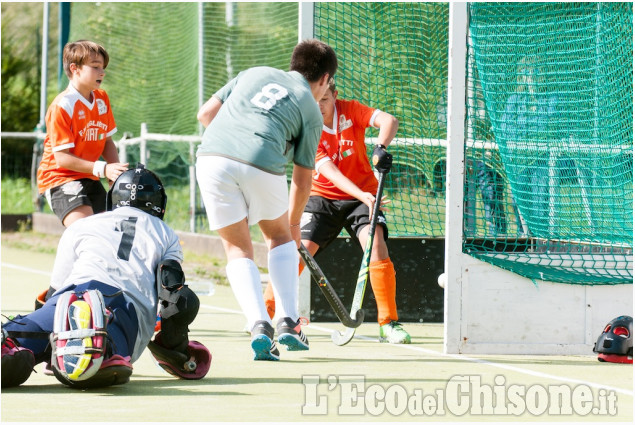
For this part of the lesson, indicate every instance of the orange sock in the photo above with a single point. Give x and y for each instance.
(270, 299)
(384, 284)
(40, 300)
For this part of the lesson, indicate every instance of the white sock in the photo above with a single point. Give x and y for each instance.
(283, 271)
(244, 278)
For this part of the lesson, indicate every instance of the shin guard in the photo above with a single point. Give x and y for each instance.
(384, 284)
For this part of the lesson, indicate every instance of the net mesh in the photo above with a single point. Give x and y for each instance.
(548, 188)
(153, 76)
(393, 56)
(549, 140)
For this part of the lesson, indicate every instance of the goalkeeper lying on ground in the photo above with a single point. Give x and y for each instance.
(111, 273)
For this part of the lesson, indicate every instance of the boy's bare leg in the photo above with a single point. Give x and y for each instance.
(77, 213)
(283, 264)
(283, 271)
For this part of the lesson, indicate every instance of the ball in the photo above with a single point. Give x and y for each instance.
(442, 279)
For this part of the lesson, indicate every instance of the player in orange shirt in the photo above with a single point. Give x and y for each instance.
(343, 195)
(80, 125)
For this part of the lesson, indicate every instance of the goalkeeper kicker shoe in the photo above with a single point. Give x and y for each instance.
(262, 342)
(291, 335)
(393, 333)
(17, 363)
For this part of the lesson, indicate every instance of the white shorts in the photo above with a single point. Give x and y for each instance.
(232, 191)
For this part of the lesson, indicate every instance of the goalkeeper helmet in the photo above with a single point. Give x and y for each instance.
(139, 188)
(615, 344)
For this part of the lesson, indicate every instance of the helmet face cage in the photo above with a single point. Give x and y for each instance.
(617, 337)
(139, 188)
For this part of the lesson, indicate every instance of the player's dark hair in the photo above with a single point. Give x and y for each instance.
(313, 58)
(80, 52)
(332, 86)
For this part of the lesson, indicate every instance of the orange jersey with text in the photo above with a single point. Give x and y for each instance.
(82, 127)
(344, 145)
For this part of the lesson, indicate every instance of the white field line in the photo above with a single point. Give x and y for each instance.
(25, 269)
(461, 357)
(407, 347)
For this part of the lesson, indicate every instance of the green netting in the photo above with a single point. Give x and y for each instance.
(393, 56)
(550, 140)
(153, 75)
(549, 111)
(153, 72)
(243, 35)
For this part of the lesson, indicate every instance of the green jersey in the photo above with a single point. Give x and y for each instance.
(268, 118)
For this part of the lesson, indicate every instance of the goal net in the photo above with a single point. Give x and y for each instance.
(394, 56)
(549, 164)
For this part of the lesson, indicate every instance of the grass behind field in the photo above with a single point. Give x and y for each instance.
(16, 196)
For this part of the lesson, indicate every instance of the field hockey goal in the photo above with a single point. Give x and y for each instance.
(550, 86)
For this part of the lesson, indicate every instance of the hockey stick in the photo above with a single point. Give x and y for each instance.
(338, 337)
(329, 293)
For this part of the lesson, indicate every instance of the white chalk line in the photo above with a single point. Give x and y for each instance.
(25, 269)
(462, 358)
(409, 347)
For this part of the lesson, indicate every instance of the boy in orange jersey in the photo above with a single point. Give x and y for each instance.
(80, 125)
(343, 195)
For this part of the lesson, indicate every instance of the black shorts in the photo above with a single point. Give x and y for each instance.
(324, 219)
(65, 198)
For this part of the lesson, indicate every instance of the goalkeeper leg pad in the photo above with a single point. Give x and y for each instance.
(78, 339)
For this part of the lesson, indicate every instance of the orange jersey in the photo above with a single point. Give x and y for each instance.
(344, 145)
(74, 123)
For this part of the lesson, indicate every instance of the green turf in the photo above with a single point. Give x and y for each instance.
(239, 389)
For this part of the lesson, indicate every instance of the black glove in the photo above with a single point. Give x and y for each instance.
(382, 160)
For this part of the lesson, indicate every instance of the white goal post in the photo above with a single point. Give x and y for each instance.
(488, 310)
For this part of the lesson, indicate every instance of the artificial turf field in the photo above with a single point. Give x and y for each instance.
(362, 381)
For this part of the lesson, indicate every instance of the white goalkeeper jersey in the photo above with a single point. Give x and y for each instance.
(121, 248)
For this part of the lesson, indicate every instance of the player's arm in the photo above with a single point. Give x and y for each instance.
(114, 168)
(388, 126)
(208, 111)
(110, 153)
(299, 192)
(65, 159)
(66, 256)
(64, 259)
(69, 161)
(330, 171)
